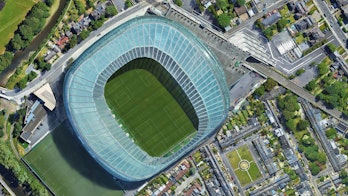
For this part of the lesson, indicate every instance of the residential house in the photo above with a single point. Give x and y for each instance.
(98, 12)
(240, 10)
(69, 34)
(272, 19)
(301, 25)
(76, 28)
(62, 41)
(50, 55)
(301, 8)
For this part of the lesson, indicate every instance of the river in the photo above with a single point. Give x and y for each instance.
(24, 54)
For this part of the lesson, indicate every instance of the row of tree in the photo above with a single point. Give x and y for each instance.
(31, 26)
(10, 161)
(335, 95)
(311, 151)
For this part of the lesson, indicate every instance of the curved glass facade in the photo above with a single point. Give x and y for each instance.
(181, 53)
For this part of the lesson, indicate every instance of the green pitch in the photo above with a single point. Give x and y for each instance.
(66, 167)
(247, 172)
(148, 112)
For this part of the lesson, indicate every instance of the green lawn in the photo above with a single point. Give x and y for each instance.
(244, 153)
(299, 39)
(67, 168)
(150, 114)
(233, 158)
(254, 171)
(10, 16)
(242, 177)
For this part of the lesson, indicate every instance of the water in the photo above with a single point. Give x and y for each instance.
(23, 55)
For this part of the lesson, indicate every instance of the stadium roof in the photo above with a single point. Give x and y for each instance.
(46, 95)
(181, 53)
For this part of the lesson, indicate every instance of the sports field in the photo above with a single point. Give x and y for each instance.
(67, 168)
(148, 111)
(244, 165)
(10, 16)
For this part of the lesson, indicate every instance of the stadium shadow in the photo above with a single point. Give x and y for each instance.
(76, 155)
(78, 158)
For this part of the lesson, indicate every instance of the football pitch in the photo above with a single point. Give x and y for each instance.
(243, 165)
(148, 112)
(65, 166)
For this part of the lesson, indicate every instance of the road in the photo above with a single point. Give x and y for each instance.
(290, 67)
(219, 173)
(59, 66)
(269, 72)
(331, 21)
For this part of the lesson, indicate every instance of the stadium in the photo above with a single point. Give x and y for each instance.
(183, 67)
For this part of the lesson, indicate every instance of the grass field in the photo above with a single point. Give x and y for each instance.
(246, 175)
(10, 16)
(67, 168)
(148, 111)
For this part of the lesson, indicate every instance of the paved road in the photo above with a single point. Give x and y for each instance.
(316, 56)
(266, 70)
(331, 21)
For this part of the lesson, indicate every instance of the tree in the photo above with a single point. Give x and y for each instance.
(90, 3)
(291, 124)
(307, 141)
(26, 32)
(321, 158)
(240, 2)
(178, 2)
(281, 24)
(128, 3)
(311, 85)
(83, 35)
(322, 68)
(5, 60)
(96, 24)
(16, 42)
(302, 124)
(268, 33)
(331, 133)
(343, 174)
(80, 7)
(331, 47)
(110, 11)
(260, 91)
(49, 3)
(314, 169)
(221, 4)
(31, 76)
(300, 72)
(288, 115)
(223, 20)
(270, 84)
(73, 41)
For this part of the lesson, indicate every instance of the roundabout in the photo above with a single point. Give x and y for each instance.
(244, 165)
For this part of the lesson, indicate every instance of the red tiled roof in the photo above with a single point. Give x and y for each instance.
(62, 41)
